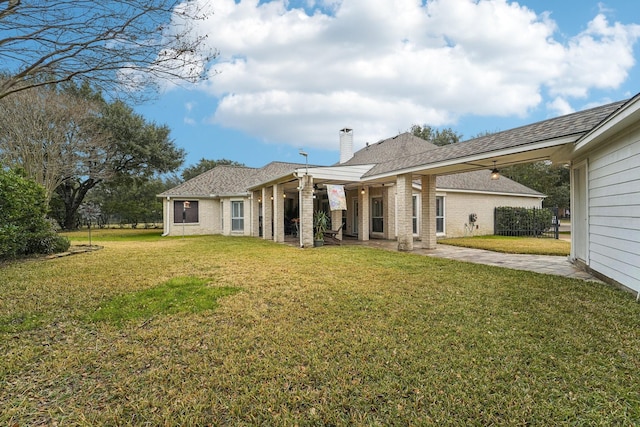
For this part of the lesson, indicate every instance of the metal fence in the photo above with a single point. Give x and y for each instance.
(532, 222)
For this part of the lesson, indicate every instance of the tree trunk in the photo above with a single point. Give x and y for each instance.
(72, 194)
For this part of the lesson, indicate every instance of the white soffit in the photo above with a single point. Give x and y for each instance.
(336, 173)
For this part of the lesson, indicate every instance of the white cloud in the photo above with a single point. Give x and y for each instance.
(599, 57)
(297, 71)
(560, 106)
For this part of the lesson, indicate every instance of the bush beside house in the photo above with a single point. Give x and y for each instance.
(24, 229)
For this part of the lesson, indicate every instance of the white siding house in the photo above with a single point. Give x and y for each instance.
(606, 198)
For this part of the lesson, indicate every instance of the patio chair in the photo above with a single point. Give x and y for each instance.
(331, 236)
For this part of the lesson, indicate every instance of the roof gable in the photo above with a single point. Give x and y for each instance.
(221, 180)
(404, 144)
(273, 171)
(226, 180)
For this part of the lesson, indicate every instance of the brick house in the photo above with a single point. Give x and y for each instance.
(230, 200)
(402, 188)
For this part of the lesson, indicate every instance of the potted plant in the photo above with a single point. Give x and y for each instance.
(320, 225)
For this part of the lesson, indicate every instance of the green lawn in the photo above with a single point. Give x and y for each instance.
(328, 336)
(513, 245)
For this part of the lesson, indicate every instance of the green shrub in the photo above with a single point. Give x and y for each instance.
(46, 242)
(24, 229)
(10, 241)
(510, 221)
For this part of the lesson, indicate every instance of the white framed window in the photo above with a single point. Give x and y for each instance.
(377, 215)
(440, 214)
(237, 216)
(185, 211)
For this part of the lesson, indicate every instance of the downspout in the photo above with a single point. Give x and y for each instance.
(167, 220)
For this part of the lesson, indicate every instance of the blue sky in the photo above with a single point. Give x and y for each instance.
(291, 74)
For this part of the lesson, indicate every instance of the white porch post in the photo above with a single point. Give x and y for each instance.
(168, 217)
(267, 215)
(405, 220)
(306, 212)
(278, 213)
(428, 222)
(363, 217)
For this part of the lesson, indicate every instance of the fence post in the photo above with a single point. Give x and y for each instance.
(495, 221)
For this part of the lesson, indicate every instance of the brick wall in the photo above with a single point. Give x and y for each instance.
(458, 206)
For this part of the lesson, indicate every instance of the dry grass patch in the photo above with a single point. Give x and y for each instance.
(328, 336)
(513, 245)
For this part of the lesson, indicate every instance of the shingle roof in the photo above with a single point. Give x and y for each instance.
(405, 151)
(405, 144)
(222, 179)
(481, 181)
(227, 180)
(571, 125)
(272, 171)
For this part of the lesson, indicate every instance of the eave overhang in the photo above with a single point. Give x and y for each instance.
(627, 114)
(541, 150)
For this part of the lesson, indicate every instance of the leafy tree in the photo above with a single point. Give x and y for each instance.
(436, 136)
(545, 177)
(24, 229)
(204, 165)
(132, 202)
(115, 44)
(134, 149)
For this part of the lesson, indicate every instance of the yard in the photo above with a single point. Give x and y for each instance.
(516, 245)
(239, 331)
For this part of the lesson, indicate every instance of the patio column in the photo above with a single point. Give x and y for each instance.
(428, 222)
(256, 197)
(278, 213)
(267, 213)
(363, 215)
(306, 212)
(336, 221)
(404, 218)
(389, 205)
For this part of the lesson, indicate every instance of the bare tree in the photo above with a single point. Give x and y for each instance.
(116, 44)
(50, 135)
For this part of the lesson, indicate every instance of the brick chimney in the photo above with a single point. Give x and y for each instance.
(346, 145)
